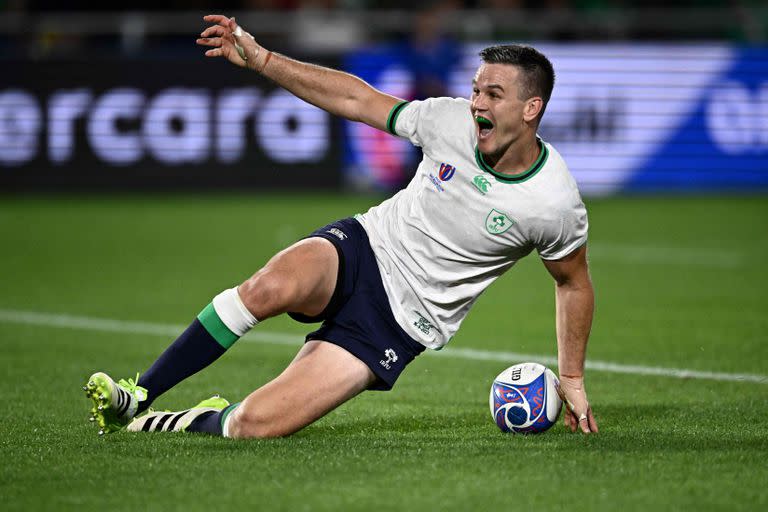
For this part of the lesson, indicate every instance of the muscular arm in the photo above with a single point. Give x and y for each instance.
(337, 92)
(334, 91)
(575, 302)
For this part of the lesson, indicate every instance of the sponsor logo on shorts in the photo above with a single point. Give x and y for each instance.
(337, 233)
(391, 357)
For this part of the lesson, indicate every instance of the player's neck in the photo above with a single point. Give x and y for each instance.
(518, 157)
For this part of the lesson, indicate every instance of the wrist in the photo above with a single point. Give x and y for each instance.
(260, 59)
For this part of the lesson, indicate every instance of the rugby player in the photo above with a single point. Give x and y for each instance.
(401, 277)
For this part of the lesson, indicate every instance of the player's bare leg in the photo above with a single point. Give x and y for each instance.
(320, 378)
(300, 279)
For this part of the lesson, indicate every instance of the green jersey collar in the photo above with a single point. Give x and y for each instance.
(515, 178)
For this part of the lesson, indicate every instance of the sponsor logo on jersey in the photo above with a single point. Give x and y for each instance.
(446, 172)
(497, 222)
(436, 183)
(423, 324)
(481, 183)
(391, 356)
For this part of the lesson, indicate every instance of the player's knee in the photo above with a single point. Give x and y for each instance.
(256, 425)
(267, 293)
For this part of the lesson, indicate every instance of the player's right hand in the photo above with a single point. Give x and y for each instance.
(578, 413)
(224, 37)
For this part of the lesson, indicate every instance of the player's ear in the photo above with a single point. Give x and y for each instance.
(533, 106)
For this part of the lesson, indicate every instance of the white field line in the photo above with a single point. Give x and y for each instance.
(170, 330)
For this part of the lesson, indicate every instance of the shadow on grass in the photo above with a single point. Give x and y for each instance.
(623, 428)
(643, 429)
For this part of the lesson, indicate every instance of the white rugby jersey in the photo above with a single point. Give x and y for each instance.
(459, 224)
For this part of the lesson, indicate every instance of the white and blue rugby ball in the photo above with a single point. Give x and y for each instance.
(524, 399)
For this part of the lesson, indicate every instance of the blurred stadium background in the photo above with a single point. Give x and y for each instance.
(138, 179)
(651, 96)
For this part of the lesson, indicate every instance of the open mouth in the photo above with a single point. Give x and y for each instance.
(485, 126)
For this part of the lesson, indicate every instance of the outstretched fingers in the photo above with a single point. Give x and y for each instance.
(223, 22)
(216, 52)
(213, 35)
(218, 48)
(214, 30)
(218, 19)
(222, 36)
(209, 41)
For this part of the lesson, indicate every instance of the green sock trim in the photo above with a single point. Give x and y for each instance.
(216, 327)
(226, 412)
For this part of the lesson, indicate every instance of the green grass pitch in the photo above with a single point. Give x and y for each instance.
(680, 282)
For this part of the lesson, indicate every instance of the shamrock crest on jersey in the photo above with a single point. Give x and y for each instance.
(496, 223)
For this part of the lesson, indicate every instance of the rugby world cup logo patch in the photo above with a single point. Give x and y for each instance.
(446, 172)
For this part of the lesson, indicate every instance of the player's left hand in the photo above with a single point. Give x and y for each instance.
(578, 413)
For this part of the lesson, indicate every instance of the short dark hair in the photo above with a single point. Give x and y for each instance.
(538, 75)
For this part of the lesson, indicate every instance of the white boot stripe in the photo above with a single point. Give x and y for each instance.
(172, 424)
(162, 421)
(124, 402)
(167, 421)
(154, 422)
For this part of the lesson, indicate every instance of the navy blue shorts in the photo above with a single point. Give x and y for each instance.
(358, 317)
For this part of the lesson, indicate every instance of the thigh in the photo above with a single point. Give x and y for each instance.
(321, 377)
(301, 278)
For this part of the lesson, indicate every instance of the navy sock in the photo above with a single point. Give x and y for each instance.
(211, 422)
(195, 349)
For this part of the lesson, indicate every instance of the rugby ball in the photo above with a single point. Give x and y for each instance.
(524, 399)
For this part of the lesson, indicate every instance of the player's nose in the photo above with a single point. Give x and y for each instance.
(478, 105)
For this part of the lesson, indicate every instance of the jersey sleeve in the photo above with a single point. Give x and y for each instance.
(564, 234)
(426, 121)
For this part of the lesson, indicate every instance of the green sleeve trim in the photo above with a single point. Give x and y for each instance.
(216, 328)
(392, 118)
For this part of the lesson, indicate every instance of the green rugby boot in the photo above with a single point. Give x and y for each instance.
(114, 403)
(167, 421)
